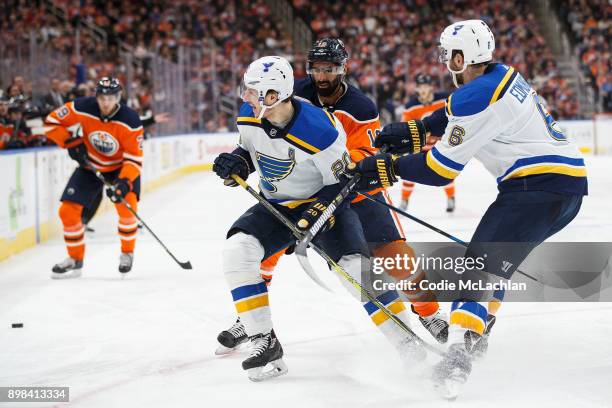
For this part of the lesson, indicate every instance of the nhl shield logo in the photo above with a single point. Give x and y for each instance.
(104, 142)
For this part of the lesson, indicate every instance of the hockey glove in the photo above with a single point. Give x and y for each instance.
(121, 187)
(78, 151)
(227, 164)
(312, 215)
(403, 137)
(375, 171)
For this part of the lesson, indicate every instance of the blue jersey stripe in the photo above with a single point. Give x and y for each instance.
(541, 159)
(446, 161)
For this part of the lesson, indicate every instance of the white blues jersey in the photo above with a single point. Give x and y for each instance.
(297, 161)
(498, 119)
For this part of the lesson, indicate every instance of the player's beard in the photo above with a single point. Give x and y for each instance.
(459, 78)
(330, 88)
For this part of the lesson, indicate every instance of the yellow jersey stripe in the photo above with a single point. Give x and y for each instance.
(302, 143)
(501, 85)
(553, 168)
(331, 117)
(252, 303)
(297, 203)
(247, 119)
(438, 168)
(448, 105)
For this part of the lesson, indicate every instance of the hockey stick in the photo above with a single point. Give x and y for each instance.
(287, 223)
(301, 247)
(298, 234)
(431, 227)
(184, 265)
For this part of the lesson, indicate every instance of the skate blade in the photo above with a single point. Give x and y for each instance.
(223, 351)
(449, 388)
(71, 274)
(411, 354)
(278, 368)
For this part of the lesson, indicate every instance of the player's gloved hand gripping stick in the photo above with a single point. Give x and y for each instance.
(309, 234)
(184, 265)
(337, 268)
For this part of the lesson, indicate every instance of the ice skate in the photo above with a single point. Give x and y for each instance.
(411, 351)
(450, 204)
(67, 269)
(125, 262)
(266, 350)
(481, 347)
(450, 374)
(230, 339)
(437, 325)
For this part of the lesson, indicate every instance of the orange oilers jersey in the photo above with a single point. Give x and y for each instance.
(417, 110)
(358, 115)
(112, 143)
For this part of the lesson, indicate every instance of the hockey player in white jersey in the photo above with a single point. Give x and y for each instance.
(299, 151)
(496, 117)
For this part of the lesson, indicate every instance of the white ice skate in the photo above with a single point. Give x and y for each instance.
(67, 269)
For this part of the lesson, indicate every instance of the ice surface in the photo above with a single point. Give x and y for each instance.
(149, 340)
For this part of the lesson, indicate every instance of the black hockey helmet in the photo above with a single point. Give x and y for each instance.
(423, 79)
(108, 86)
(328, 49)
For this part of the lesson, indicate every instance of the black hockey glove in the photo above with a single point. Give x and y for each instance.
(375, 171)
(227, 164)
(121, 187)
(402, 137)
(312, 215)
(78, 151)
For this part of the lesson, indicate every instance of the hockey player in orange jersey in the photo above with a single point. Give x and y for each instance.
(100, 134)
(325, 88)
(420, 106)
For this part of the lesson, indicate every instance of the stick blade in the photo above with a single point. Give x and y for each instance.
(302, 256)
(185, 265)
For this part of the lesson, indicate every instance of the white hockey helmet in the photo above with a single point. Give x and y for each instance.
(473, 38)
(265, 74)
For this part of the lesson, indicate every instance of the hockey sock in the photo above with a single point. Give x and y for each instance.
(74, 230)
(450, 190)
(407, 188)
(128, 224)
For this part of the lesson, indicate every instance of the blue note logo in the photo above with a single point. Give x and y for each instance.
(267, 66)
(457, 28)
(272, 169)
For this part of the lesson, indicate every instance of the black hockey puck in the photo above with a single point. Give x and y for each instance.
(16, 325)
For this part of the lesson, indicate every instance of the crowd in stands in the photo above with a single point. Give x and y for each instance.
(589, 22)
(19, 107)
(389, 43)
(388, 38)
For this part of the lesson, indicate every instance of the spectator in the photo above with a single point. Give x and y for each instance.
(55, 98)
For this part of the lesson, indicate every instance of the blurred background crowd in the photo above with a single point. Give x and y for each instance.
(186, 57)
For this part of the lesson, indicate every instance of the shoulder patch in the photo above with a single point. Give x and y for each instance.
(456, 136)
